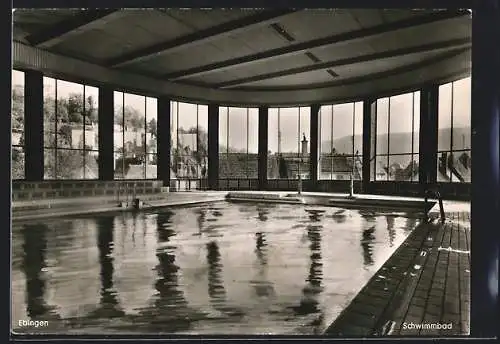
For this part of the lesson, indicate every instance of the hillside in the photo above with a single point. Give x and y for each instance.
(401, 142)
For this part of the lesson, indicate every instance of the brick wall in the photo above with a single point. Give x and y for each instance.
(30, 191)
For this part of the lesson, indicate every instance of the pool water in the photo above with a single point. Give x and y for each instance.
(214, 269)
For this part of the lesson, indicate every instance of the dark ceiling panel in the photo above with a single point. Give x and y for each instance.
(386, 64)
(201, 19)
(434, 32)
(76, 24)
(303, 47)
(316, 23)
(271, 66)
(172, 62)
(458, 59)
(135, 29)
(356, 62)
(294, 80)
(199, 37)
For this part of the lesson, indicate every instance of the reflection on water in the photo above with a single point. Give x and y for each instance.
(368, 215)
(34, 266)
(367, 239)
(390, 229)
(109, 300)
(262, 212)
(309, 302)
(339, 216)
(209, 269)
(215, 283)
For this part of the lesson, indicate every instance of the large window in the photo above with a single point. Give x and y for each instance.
(288, 143)
(238, 142)
(135, 136)
(189, 141)
(17, 125)
(340, 141)
(70, 130)
(397, 145)
(454, 132)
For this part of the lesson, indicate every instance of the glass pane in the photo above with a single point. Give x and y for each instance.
(69, 115)
(401, 167)
(118, 122)
(17, 108)
(120, 167)
(305, 130)
(253, 130)
(202, 153)
(325, 167)
(69, 164)
(133, 169)
(91, 118)
(401, 123)
(187, 165)
(273, 167)
(135, 123)
(444, 117)
(459, 165)
(174, 152)
(272, 144)
(253, 166)
(49, 164)
(415, 167)
(91, 166)
(151, 166)
(49, 112)
(151, 125)
(288, 134)
(382, 126)
(325, 123)
(443, 172)
(416, 122)
(273, 129)
(358, 128)
(17, 158)
(224, 167)
(461, 114)
(187, 119)
(223, 123)
(358, 167)
(173, 124)
(236, 165)
(238, 128)
(343, 121)
(342, 167)
(381, 168)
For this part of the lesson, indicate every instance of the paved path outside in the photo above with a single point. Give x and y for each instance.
(424, 283)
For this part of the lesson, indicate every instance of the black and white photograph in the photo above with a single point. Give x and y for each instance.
(246, 171)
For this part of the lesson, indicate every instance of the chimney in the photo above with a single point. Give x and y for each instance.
(304, 144)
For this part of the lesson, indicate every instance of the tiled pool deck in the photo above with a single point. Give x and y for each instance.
(425, 282)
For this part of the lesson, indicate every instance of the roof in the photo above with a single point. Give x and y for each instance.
(248, 56)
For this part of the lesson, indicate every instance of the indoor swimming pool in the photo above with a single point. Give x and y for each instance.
(220, 268)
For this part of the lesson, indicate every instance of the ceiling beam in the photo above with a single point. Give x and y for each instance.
(200, 37)
(370, 77)
(87, 20)
(444, 45)
(317, 43)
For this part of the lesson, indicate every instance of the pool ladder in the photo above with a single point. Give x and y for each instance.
(436, 194)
